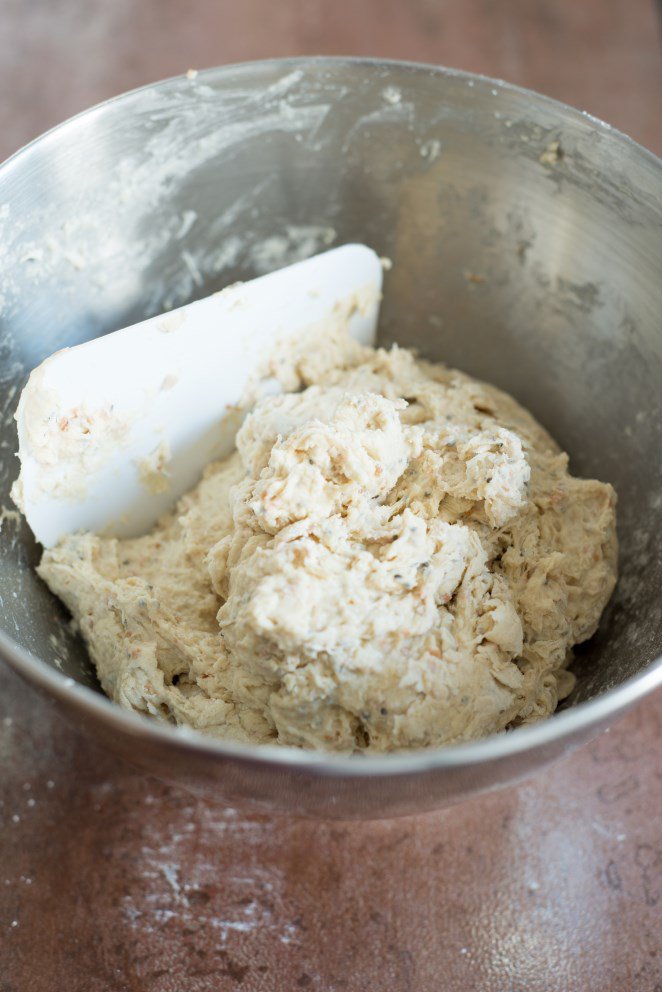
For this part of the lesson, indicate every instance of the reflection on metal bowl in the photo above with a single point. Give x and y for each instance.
(525, 240)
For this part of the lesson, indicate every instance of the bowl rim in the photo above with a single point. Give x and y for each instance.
(563, 725)
(300, 61)
(566, 724)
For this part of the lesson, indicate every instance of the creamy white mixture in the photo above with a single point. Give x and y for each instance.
(395, 556)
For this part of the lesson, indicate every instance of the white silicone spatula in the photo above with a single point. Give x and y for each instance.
(112, 431)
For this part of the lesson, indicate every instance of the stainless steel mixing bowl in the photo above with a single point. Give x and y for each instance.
(526, 242)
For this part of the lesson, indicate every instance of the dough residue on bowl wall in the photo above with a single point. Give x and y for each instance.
(395, 556)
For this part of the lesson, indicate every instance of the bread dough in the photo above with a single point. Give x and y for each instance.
(394, 557)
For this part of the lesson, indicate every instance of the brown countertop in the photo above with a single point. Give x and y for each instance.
(111, 881)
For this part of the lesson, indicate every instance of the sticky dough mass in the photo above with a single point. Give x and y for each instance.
(394, 557)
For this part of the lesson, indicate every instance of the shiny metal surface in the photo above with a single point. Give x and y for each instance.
(526, 241)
